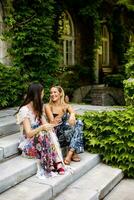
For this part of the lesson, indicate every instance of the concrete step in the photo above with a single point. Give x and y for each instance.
(15, 170)
(8, 125)
(8, 112)
(93, 185)
(35, 189)
(8, 146)
(123, 191)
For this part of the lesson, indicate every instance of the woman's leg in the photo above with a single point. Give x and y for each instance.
(59, 165)
(76, 139)
(68, 157)
(74, 136)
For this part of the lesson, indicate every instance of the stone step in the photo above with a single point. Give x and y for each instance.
(8, 146)
(36, 189)
(15, 170)
(8, 112)
(8, 121)
(8, 125)
(93, 185)
(123, 191)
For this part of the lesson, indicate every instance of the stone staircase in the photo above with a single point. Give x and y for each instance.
(88, 180)
(102, 95)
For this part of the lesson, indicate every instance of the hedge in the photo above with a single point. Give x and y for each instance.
(111, 134)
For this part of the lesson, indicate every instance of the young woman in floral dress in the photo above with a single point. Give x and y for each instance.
(37, 135)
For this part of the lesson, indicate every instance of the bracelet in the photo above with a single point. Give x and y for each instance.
(39, 129)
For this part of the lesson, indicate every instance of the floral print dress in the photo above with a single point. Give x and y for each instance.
(40, 146)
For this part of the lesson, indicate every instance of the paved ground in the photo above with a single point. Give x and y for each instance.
(79, 108)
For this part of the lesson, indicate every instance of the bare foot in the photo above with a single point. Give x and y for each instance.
(68, 158)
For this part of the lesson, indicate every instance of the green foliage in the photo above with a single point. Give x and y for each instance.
(127, 3)
(92, 11)
(12, 85)
(73, 77)
(111, 134)
(129, 83)
(30, 33)
(129, 91)
(120, 35)
(114, 80)
(129, 67)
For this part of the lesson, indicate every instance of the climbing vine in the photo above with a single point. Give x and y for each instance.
(30, 33)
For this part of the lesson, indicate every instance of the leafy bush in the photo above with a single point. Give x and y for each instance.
(129, 91)
(129, 67)
(73, 77)
(114, 80)
(30, 33)
(12, 85)
(111, 134)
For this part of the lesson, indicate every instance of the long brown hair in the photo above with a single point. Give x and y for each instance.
(34, 94)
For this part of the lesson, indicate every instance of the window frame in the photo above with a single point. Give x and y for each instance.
(105, 46)
(66, 39)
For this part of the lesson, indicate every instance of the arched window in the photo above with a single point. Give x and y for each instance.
(105, 46)
(66, 30)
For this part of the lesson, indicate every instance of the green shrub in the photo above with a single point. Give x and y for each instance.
(111, 134)
(30, 34)
(114, 80)
(129, 67)
(72, 77)
(129, 91)
(12, 85)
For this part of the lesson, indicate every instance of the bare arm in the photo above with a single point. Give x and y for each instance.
(72, 118)
(49, 114)
(32, 132)
(71, 110)
(43, 119)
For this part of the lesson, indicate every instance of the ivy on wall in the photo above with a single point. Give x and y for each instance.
(30, 33)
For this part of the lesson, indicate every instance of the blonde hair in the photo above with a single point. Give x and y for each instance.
(61, 91)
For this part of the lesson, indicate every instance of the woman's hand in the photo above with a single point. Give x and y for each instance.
(47, 127)
(72, 120)
(57, 120)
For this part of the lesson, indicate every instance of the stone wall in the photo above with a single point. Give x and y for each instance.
(99, 95)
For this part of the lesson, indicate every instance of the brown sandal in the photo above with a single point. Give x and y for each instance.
(68, 158)
(76, 158)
